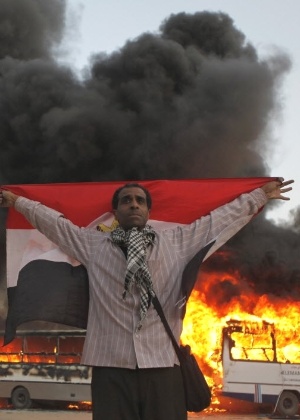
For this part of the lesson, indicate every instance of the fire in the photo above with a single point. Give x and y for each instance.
(81, 406)
(42, 349)
(268, 333)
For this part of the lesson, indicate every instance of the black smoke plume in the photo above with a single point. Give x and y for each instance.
(193, 100)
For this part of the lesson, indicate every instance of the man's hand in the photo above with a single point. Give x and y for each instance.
(275, 189)
(7, 198)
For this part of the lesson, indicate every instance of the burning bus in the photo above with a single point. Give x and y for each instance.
(254, 369)
(44, 365)
(244, 356)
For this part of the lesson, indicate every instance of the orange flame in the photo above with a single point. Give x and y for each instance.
(277, 319)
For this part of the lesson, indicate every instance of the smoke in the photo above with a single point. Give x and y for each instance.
(29, 29)
(191, 101)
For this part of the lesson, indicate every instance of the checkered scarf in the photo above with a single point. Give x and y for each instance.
(136, 242)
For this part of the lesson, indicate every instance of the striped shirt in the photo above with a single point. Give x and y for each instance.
(112, 339)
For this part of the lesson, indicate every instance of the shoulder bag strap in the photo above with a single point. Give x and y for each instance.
(159, 310)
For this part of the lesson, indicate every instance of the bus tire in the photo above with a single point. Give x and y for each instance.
(20, 398)
(288, 403)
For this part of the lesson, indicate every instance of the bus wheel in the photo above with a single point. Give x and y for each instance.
(288, 403)
(20, 398)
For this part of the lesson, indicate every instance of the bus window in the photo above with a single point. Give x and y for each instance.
(39, 345)
(39, 349)
(247, 346)
(12, 353)
(70, 349)
(70, 345)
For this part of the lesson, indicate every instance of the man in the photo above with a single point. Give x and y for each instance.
(135, 369)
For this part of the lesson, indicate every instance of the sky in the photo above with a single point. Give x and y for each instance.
(104, 26)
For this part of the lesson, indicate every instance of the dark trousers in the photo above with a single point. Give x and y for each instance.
(140, 394)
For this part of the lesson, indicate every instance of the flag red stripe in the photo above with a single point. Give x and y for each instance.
(180, 201)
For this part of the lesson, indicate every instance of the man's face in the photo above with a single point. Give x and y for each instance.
(132, 210)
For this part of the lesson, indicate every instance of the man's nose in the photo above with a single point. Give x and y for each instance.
(134, 204)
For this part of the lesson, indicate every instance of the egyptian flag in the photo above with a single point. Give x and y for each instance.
(44, 284)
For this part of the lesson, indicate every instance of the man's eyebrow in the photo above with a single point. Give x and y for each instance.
(126, 196)
(133, 195)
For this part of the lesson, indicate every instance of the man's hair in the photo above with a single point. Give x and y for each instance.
(115, 198)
